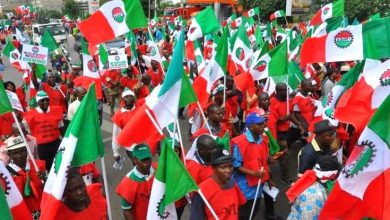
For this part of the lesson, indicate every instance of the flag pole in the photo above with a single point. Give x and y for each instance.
(154, 122)
(224, 90)
(106, 188)
(208, 204)
(288, 96)
(204, 117)
(256, 194)
(25, 142)
(181, 142)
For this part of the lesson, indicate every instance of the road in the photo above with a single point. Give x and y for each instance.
(282, 208)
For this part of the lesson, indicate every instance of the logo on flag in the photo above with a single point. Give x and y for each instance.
(328, 99)
(15, 56)
(4, 183)
(330, 113)
(385, 78)
(360, 158)
(92, 66)
(35, 49)
(165, 213)
(198, 59)
(343, 39)
(326, 10)
(58, 159)
(118, 14)
(192, 30)
(260, 66)
(117, 58)
(153, 51)
(240, 53)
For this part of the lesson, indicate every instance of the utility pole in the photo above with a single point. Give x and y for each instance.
(149, 9)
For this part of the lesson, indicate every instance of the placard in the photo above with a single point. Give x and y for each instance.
(34, 54)
(13, 98)
(117, 61)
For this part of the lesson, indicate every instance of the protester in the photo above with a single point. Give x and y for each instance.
(310, 192)
(80, 201)
(220, 190)
(250, 153)
(134, 189)
(325, 134)
(45, 123)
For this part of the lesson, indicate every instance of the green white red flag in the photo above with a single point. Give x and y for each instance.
(205, 22)
(277, 14)
(252, 12)
(361, 191)
(114, 18)
(161, 106)
(14, 57)
(242, 50)
(358, 105)
(356, 42)
(213, 71)
(330, 10)
(14, 200)
(81, 145)
(171, 183)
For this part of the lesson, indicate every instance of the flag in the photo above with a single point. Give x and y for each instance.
(90, 72)
(5, 104)
(199, 56)
(327, 26)
(161, 106)
(361, 190)
(187, 93)
(237, 22)
(346, 82)
(203, 23)
(49, 41)
(229, 20)
(273, 144)
(90, 68)
(14, 57)
(113, 19)
(295, 75)
(171, 183)
(23, 9)
(15, 202)
(223, 142)
(80, 145)
(330, 10)
(277, 14)
(154, 21)
(358, 105)
(133, 47)
(5, 211)
(274, 63)
(355, 42)
(252, 12)
(213, 71)
(242, 50)
(103, 58)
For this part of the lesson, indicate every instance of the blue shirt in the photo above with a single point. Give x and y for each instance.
(248, 191)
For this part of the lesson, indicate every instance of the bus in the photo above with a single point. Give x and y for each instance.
(57, 30)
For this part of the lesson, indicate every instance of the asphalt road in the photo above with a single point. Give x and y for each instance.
(282, 208)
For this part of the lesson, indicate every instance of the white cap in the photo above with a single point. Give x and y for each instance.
(14, 143)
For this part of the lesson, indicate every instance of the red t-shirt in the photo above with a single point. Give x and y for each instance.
(225, 202)
(6, 121)
(97, 209)
(198, 171)
(157, 77)
(128, 82)
(44, 126)
(57, 97)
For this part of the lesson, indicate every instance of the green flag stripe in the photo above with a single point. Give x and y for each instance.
(5, 212)
(380, 122)
(89, 139)
(187, 94)
(5, 104)
(135, 14)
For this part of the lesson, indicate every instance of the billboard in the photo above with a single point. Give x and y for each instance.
(298, 7)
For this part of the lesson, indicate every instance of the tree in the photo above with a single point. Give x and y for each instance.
(71, 8)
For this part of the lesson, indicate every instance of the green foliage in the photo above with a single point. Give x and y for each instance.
(361, 9)
(267, 7)
(49, 14)
(71, 8)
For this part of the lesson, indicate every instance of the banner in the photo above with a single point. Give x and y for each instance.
(299, 7)
(34, 54)
(93, 6)
(13, 98)
(117, 61)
